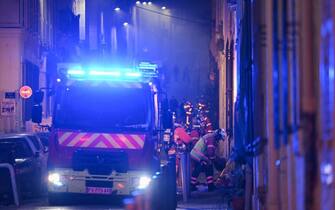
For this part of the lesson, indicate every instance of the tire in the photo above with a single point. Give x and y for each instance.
(171, 182)
(38, 185)
(165, 192)
(55, 199)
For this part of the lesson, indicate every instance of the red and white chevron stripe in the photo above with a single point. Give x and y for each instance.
(101, 140)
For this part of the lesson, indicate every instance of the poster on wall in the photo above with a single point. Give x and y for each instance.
(7, 107)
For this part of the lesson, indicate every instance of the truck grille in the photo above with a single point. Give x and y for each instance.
(100, 163)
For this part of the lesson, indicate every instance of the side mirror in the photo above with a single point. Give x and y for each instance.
(36, 114)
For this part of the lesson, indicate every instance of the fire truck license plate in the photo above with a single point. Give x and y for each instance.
(99, 190)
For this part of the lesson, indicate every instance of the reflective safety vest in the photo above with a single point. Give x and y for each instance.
(204, 149)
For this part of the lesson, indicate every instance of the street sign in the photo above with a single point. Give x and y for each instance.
(7, 107)
(26, 92)
(10, 95)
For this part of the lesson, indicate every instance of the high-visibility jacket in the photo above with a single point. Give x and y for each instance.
(204, 149)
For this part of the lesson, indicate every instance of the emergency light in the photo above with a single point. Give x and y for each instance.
(76, 72)
(105, 73)
(142, 71)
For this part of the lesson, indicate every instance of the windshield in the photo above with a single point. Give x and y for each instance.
(18, 147)
(102, 108)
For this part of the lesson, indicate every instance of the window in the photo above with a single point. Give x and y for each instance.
(35, 141)
(18, 147)
(22, 150)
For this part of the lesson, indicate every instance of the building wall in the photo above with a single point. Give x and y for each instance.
(11, 50)
(25, 27)
(223, 33)
(293, 102)
(177, 45)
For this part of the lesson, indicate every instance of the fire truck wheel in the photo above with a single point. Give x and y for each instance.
(55, 199)
(164, 195)
(172, 186)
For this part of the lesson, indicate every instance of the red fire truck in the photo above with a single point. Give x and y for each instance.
(106, 131)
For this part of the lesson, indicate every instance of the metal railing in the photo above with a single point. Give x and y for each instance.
(10, 169)
(185, 174)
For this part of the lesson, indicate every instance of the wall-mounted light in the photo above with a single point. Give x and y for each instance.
(117, 8)
(163, 8)
(125, 24)
(138, 2)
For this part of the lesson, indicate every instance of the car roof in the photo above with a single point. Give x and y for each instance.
(15, 135)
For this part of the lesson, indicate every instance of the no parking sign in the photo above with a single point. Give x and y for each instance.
(26, 92)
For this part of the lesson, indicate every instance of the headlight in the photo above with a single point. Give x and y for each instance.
(144, 182)
(55, 179)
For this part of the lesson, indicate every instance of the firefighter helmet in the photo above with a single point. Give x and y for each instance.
(221, 133)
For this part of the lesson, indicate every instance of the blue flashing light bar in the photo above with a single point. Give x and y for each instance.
(76, 72)
(143, 71)
(105, 73)
(133, 74)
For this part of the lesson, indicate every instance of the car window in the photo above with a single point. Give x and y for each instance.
(17, 146)
(6, 152)
(35, 141)
(45, 141)
(22, 150)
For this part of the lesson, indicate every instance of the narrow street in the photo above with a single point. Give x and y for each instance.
(199, 200)
(167, 104)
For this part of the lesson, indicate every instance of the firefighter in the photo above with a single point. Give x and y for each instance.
(202, 115)
(204, 154)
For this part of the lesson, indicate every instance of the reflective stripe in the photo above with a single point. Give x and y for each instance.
(111, 140)
(76, 139)
(200, 153)
(101, 140)
(63, 136)
(195, 157)
(194, 180)
(138, 139)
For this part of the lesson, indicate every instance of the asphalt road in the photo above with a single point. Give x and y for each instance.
(198, 200)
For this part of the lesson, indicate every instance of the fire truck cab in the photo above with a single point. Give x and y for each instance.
(106, 131)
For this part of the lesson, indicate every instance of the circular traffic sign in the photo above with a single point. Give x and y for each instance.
(26, 92)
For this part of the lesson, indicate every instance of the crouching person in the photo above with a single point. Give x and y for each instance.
(204, 154)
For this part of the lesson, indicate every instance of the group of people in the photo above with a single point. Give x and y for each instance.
(196, 131)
